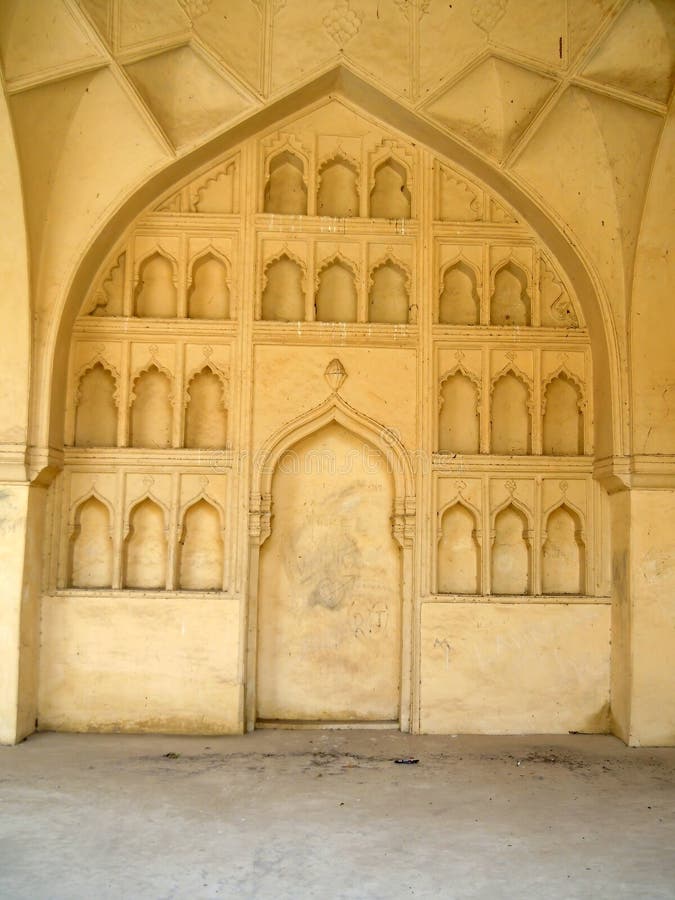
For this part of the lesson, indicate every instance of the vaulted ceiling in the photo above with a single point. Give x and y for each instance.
(566, 96)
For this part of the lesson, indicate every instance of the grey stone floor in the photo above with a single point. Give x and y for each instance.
(328, 814)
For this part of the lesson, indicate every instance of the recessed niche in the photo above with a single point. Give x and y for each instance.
(283, 298)
(109, 300)
(510, 303)
(145, 550)
(151, 412)
(388, 300)
(96, 412)
(457, 201)
(510, 424)
(563, 554)
(563, 428)
(390, 197)
(336, 298)
(205, 414)
(209, 296)
(458, 552)
(156, 292)
(510, 553)
(217, 194)
(91, 549)
(338, 193)
(459, 303)
(201, 549)
(286, 191)
(458, 420)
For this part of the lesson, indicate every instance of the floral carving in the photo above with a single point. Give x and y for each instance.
(486, 14)
(342, 23)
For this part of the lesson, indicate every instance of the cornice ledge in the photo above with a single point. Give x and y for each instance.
(641, 471)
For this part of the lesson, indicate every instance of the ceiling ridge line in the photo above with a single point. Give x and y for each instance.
(566, 80)
(621, 94)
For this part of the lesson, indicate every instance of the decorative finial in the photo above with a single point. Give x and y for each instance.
(335, 375)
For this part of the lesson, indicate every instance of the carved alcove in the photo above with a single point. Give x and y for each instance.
(208, 289)
(145, 547)
(389, 294)
(286, 186)
(511, 414)
(91, 548)
(96, 410)
(510, 557)
(563, 552)
(510, 302)
(206, 410)
(390, 196)
(109, 299)
(217, 192)
(338, 193)
(283, 295)
(458, 415)
(458, 564)
(336, 294)
(459, 303)
(155, 295)
(201, 548)
(563, 418)
(458, 199)
(151, 405)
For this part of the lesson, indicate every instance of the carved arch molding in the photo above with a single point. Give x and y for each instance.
(259, 368)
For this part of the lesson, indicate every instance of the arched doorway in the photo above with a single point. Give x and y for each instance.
(329, 602)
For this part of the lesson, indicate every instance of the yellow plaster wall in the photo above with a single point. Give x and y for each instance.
(140, 663)
(507, 668)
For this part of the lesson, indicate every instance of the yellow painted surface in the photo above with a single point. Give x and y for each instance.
(149, 185)
(496, 668)
(140, 663)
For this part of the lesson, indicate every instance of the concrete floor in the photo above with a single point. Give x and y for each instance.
(298, 814)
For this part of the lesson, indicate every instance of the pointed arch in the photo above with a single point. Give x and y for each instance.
(387, 303)
(342, 198)
(563, 555)
(277, 301)
(459, 307)
(218, 305)
(505, 307)
(458, 565)
(337, 302)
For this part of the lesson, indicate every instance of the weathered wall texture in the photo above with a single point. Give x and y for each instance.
(257, 231)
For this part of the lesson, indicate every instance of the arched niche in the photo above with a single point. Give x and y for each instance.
(459, 303)
(458, 416)
(390, 451)
(201, 548)
(283, 296)
(206, 411)
(510, 562)
(336, 295)
(338, 193)
(145, 547)
(91, 549)
(563, 554)
(510, 416)
(390, 196)
(458, 558)
(610, 380)
(209, 294)
(510, 302)
(563, 422)
(151, 417)
(388, 297)
(96, 408)
(155, 296)
(286, 188)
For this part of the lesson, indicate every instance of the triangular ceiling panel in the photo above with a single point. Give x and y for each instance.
(100, 13)
(583, 21)
(150, 22)
(534, 30)
(638, 53)
(38, 39)
(493, 105)
(189, 99)
(234, 31)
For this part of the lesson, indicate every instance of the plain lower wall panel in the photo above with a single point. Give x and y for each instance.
(499, 668)
(140, 663)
